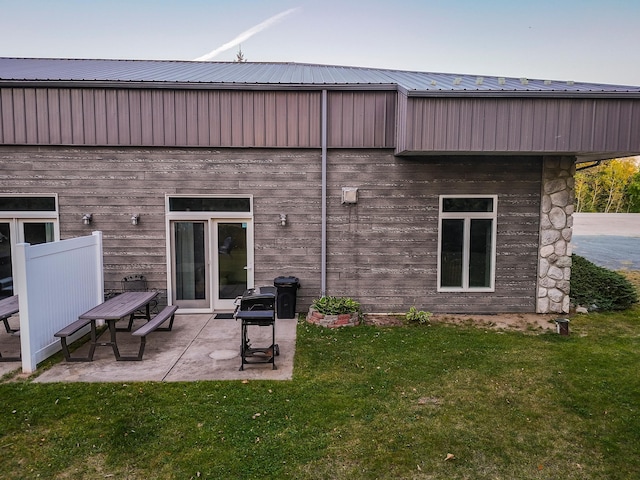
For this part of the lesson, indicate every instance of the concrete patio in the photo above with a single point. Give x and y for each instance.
(200, 347)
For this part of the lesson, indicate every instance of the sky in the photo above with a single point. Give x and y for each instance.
(594, 41)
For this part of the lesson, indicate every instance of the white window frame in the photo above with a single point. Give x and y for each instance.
(467, 217)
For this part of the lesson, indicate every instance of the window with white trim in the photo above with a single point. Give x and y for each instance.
(467, 243)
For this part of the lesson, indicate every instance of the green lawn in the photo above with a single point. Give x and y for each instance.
(365, 403)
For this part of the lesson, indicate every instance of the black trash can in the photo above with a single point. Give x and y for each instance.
(287, 292)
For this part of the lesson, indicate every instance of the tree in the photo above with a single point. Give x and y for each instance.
(240, 56)
(613, 186)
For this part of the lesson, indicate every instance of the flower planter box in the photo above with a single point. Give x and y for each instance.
(333, 321)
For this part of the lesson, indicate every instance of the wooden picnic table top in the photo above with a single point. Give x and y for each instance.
(119, 306)
(9, 306)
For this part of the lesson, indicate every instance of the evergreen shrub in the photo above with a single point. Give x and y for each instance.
(598, 288)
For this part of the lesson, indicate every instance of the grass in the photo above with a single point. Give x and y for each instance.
(366, 403)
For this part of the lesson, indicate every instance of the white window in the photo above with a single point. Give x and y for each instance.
(467, 243)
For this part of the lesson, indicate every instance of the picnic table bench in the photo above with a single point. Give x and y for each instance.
(112, 310)
(8, 307)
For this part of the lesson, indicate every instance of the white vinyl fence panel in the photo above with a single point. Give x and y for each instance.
(57, 282)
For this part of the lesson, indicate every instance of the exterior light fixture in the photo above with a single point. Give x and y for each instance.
(283, 219)
(86, 218)
(135, 218)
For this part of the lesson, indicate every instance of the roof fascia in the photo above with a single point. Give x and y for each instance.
(193, 85)
(521, 94)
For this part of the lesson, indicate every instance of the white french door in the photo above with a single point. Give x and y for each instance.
(211, 262)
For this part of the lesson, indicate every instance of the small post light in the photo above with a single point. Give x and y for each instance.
(135, 218)
(86, 219)
(283, 219)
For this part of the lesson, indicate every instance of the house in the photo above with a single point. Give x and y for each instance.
(451, 193)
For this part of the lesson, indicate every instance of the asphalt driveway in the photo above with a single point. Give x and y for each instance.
(610, 240)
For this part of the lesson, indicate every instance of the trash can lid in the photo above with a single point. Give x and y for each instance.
(286, 281)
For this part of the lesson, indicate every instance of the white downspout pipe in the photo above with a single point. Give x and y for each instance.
(323, 259)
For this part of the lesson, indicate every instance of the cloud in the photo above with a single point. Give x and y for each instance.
(247, 34)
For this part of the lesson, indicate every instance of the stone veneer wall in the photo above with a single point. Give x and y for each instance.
(554, 265)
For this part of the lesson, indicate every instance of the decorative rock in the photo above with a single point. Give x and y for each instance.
(582, 310)
(560, 248)
(542, 305)
(567, 233)
(546, 251)
(555, 185)
(556, 295)
(560, 198)
(558, 218)
(543, 267)
(564, 286)
(549, 236)
(547, 282)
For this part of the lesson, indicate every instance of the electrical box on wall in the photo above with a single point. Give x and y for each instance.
(349, 195)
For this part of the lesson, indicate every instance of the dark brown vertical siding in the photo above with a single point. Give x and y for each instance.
(100, 109)
(170, 112)
(226, 118)
(135, 120)
(361, 119)
(201, 127)
(180, 118)
(123, 106)
(520, 125)
(19, 116)
(31, 124)
(88, 119)
(113, 129)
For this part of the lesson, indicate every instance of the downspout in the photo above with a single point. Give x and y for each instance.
(323, 254)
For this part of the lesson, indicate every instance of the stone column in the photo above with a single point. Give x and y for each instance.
(554, 255)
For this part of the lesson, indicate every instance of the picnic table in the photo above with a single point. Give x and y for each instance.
(115, 309)
(111, 311)
(8, 307)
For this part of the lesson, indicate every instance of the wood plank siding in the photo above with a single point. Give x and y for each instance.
(385, 247)
(113, 184)
(383, 250)
(191, 118)
(522, 125)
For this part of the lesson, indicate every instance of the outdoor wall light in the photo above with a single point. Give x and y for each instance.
(86, 218)
(283, 219)
(135, 218)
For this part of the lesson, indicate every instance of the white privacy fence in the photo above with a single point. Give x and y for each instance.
(56, 282)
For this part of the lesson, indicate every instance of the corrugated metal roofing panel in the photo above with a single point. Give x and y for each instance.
(281, 74)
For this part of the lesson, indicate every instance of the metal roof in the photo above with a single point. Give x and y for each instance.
(150, 73)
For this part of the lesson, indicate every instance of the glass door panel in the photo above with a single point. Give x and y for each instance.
(232, 262)
(38, 232)
(6, 271)
(190, 261)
